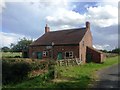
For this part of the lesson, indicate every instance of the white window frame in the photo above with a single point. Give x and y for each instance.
(70, 54)
(45, 53)
(33, 53)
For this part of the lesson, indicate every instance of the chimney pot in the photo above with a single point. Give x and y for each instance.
(88, 24)
(47, 29)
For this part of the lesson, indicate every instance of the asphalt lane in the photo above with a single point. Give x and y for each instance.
(109, 77)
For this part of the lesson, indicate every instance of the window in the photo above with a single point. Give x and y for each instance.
(69, 54)
(81, 57)
(83, 43)
(45, 53)
(33, 53)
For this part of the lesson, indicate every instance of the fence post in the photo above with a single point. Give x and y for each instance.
(52, 69)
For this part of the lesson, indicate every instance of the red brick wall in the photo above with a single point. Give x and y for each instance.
(63, 49)
(87, 40)
(96, 56)
(35, 49)
(56, 49)
(103, 57)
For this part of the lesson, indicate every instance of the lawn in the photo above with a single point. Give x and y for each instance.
(69, 76)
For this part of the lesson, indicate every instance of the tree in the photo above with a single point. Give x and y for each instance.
(23, 44)
(12, 45)
(116, 50)
(5, 49)
(105, 51)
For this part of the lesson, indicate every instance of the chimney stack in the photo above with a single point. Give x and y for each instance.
(47, 29)
(88, 25)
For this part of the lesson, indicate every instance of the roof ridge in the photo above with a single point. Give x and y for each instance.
(68, 29)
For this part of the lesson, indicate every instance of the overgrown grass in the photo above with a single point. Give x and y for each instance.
(36, 82)
(84, 74)
(69, 76)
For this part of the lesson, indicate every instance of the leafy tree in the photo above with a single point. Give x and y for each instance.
(116, 50)
(23, 44)
(5, 49)
(12, 45)
(104, 51)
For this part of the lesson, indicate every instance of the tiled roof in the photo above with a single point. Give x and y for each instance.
(69, 36)
(94, 49)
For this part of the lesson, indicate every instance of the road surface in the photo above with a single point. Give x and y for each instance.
(109, 78)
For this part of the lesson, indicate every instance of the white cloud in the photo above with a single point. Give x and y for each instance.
(65, 17)
(32, 13)
(7, 38)
(102, 16)
(112, 37)
(110, 1)
(59, 15)
(2, 5)
(101, 47)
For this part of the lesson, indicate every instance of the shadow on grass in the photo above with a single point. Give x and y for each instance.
(66, 82)
(80, 82)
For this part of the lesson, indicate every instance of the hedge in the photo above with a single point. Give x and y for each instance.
(16, 70)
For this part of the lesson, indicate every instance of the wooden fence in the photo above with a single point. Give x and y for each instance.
(69, 62)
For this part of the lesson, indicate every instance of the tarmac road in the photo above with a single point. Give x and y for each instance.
(109, 78)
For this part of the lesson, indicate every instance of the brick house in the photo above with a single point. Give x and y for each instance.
(70, 43)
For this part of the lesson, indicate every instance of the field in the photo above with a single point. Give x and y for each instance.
(11, 54)
(68, 76)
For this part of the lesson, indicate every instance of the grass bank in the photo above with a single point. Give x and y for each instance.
(68, 76)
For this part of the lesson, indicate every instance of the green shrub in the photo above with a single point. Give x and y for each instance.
(38, 65)
(17, 57)
(14, 72)
(6, 72)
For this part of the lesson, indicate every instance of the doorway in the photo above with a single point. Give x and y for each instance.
(59, 56)
(89, 57)
(39, 55)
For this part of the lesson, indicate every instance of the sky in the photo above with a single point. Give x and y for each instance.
(27, 18)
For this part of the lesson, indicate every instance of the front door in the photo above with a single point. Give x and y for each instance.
(39, 55)
(59, 56)
(89, 57)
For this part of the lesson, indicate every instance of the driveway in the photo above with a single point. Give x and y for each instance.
(108, 78)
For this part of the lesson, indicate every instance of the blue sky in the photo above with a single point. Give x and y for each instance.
(27, 18)
(81, 7)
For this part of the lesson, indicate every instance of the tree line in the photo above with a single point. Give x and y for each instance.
(22, 44)
(116, 50)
